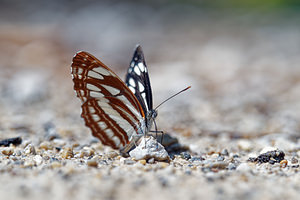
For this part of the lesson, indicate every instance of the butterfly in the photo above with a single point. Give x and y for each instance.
(117, 112)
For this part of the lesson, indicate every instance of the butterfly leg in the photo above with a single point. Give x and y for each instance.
(162, 135)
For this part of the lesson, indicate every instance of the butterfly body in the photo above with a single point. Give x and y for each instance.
(117, 112)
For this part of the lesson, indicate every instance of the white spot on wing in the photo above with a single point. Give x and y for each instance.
(96, 118)
(141, 87)
(80, 70)
(102, 125)
(132, 89)
(109, 133)
(141, 66)
(91, 109)
(92, 87)
(102, 71)
(132, 82)
(95, 75)
(144, 96)
(96, 94)
(137, 71)
(81, 92)
(112, 90)
(132, 64)
(103, 104)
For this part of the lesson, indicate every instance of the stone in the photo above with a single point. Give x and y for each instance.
(149, 148)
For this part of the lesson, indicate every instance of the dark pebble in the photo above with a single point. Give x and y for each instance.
(185, 155)
(52, 159)
(294, 160)
(231, 166)
(224, 152)
(14, 141)
(193, 159)
(220, 158)
(57, 148)
(270, 157)
(252, 159)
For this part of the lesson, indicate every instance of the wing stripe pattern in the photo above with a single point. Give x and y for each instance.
(109, 108)
(103, 134)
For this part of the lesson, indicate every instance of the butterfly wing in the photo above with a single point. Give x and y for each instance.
(137, 80)
(109, 108)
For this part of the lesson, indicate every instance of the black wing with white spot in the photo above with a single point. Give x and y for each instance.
(137, 80)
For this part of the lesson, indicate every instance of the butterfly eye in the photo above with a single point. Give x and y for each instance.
(154, 114)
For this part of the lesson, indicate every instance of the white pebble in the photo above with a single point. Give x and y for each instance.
(149, 148)
(38, 159)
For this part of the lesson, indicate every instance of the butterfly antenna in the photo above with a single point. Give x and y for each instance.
(173, 96)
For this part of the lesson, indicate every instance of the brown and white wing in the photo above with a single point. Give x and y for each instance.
(109, 108)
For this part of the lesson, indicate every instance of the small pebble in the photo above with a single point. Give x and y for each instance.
(92, 163)
(29, 163)
(185, 155)
(220, 158)
(18, 153)
(7, 151)
(87, 151)
(38, 159)
(151, 160)
(29, 149)
(219, 165)
(235, 156)
(231, 166)
(294, 160)
(224, 152)
(283, 163)
(45, 145)
(67, 153)
(143, 161)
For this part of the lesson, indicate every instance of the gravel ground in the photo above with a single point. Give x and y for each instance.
(244, 102)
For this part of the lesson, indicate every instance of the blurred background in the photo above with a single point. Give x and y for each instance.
(241, 58)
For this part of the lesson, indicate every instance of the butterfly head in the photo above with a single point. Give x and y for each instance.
(152, 114)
